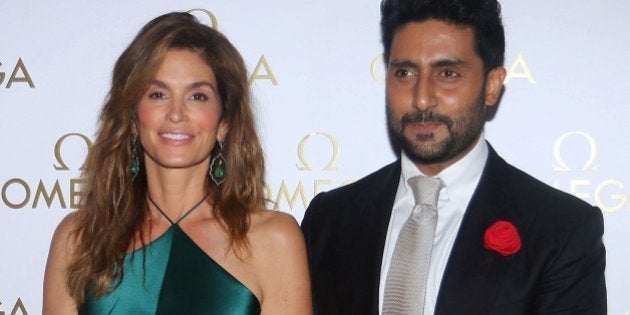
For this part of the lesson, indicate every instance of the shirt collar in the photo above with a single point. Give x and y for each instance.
(458, 175)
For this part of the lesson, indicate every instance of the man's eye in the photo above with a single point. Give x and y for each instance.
(449, 74)
(402, 73)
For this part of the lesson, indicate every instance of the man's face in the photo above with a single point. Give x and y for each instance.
(437, 92)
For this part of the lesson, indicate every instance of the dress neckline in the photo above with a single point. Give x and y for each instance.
(176, 222)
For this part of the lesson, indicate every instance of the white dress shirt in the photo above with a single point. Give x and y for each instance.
(460, 181)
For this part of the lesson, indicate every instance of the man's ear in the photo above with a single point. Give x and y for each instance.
(494, 85)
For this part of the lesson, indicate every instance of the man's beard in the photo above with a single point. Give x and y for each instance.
(462, 133)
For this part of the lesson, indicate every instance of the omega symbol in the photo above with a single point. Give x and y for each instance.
(214, 23)
(61, 165)
(375, 69)
(332, 164)
(557, 152)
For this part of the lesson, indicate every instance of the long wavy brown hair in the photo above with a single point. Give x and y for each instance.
(113, 208)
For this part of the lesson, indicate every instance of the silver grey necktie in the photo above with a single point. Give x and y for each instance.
(406, 281)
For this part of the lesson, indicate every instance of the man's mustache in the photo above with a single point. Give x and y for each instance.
(420, 117)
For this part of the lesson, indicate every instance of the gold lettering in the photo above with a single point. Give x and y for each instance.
(269, 203)
(25, 78)
(524, 71)
(214, 23)
(1, 80)
(588, 164)
(41, 191)
(27, 193)
(377, 63)
(622, 198)
(284, 192)
(318, 183)
(556, 185)
(332, 164)
(580, 182)
(347, 181)
(75, 192)
(19, 306)
(58, 156)
(267, 75)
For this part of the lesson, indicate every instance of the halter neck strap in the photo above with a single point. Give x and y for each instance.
(181, 217)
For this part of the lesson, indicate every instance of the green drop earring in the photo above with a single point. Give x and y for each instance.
(217, 167)
(134, 169)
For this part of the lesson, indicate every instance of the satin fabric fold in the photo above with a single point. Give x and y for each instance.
(172, 275)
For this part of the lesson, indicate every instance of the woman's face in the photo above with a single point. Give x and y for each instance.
(179, 116)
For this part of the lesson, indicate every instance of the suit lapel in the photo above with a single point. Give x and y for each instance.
(366, 247)
(473, 274)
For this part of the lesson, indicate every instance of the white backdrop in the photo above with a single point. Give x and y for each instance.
(317, 81)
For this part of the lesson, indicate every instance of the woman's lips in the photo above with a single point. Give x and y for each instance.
(176, 137)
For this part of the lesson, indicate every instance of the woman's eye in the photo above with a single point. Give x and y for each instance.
(156, 95)
(199, 97)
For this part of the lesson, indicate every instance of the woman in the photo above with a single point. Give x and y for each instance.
(171, 220)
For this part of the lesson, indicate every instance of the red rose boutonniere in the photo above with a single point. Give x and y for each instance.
(502, 237)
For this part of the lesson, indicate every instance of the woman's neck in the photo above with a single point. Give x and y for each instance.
(176, 190)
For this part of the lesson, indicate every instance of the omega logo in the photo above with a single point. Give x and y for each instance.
(608, 194)
(377, 69)
(19, 306)
(557, 152)
(262, 70)
(310, 167)
(214, 23)
(61, 165)
(18, 75)
(17, 193)
(332, 164)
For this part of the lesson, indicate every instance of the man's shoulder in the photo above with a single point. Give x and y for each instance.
(369, 184)
(550, 201)
(379, 184)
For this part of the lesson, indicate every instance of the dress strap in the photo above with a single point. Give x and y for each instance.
(183, 216)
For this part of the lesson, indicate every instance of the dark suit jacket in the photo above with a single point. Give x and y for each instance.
(558, 270)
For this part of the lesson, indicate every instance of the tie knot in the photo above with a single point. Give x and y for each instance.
(426, 190)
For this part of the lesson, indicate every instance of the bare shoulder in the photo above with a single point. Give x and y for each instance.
(57, 299)
(279, 261)
(270, 227)
(64, 231)
(271, 219)
(63, 243)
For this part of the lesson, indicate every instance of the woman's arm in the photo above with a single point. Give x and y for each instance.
(57, 299)
(282, 267)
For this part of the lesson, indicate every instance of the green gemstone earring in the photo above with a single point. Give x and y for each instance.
(217, 167)
(134, 169)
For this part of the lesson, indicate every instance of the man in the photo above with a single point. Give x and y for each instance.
(504, 243)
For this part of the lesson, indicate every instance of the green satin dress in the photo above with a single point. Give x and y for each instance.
(172, 275)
